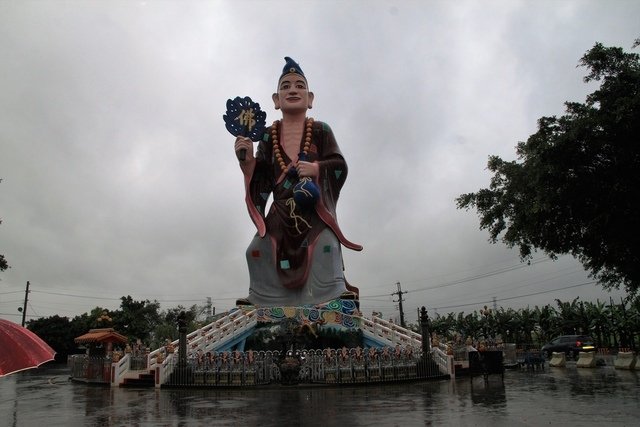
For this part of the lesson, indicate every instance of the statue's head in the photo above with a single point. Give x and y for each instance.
(293, 93)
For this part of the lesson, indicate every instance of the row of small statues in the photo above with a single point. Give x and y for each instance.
(359, 354)
(137, 350)
(469, 345)
(212, 359)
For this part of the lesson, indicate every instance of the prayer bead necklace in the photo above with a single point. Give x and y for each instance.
(276, 147)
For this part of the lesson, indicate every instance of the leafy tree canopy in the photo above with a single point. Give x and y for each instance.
(575, 186)
(56, 332)
(136, 319)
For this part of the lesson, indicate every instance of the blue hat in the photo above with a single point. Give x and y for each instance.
(291, 67)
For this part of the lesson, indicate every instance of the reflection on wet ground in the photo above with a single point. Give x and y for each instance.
(556, 396)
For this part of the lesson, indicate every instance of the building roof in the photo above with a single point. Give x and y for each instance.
(101, 335)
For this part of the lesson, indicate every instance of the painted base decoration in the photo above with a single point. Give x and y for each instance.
(338, 312)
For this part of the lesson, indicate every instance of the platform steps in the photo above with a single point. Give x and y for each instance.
(142, 380)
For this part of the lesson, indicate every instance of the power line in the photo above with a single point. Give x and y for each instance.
(525, 284)
(514, 297)
(110, 298)
(18, 314)
(76, 296)
(475, 277)
(478, 276)
(33, 309)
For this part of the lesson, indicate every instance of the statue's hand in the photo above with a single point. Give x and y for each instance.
(244, 144)
(308, 169)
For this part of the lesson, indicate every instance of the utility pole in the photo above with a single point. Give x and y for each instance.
(24, 309)
(399, 293)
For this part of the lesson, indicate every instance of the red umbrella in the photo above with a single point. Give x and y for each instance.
(21, 349)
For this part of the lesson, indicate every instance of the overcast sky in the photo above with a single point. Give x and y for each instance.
(119, 177)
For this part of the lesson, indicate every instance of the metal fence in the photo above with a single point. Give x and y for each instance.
(93, 369)
(329, 366)
(138, 363)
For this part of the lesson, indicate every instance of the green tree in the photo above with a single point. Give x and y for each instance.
(633, 321)
(55, 331)
(167, 327)
(83, 323)
(444, 326)
(575, 188)
(599, 318)
(546, 323)
(136, 319)
(470, 325)
(3, 262)
(626, 323)
(569, 316)
(505, 323)
(525, 323)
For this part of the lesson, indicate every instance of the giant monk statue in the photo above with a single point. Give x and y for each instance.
(295, 257)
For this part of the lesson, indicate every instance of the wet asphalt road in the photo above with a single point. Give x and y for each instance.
(601, 396)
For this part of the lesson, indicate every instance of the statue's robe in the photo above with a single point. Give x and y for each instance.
(296, 237)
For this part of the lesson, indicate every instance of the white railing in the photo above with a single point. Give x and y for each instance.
(391, 333)
(119, 369)
(444, 361)
(165, 368)
(216, 334)
(207, 338)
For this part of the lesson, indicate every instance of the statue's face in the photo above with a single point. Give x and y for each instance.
(293, 94)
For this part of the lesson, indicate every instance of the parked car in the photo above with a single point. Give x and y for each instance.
(571, 345)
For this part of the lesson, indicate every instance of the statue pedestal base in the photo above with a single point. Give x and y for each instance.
(338, 313)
